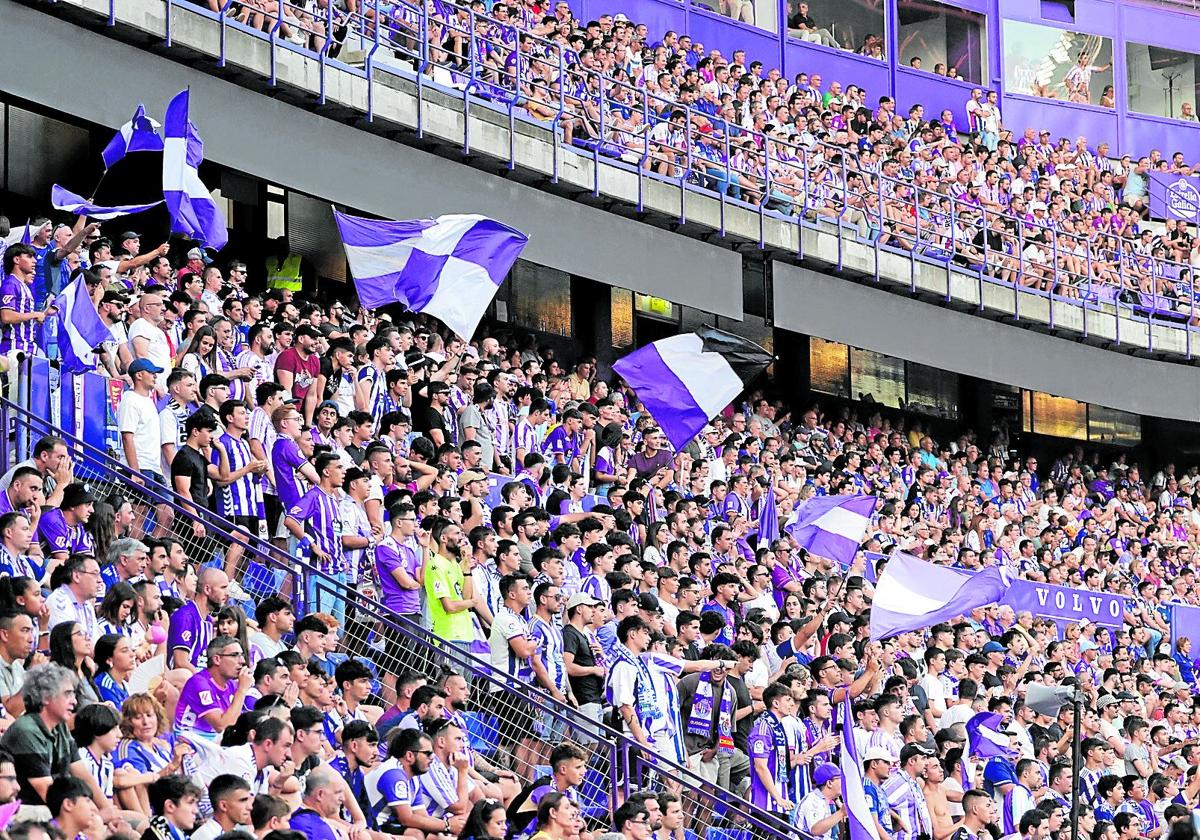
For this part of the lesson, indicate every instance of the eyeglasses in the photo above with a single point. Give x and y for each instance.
(424, 752)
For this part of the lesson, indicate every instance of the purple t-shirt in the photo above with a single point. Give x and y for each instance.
(200, 695)
(58, 536)
(190, 631)
(286, 458)
(389, 556)
(781, 576)
(16, 295)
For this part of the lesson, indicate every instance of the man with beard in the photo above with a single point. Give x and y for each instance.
(449, 587)
(397, 798)
(457, 693)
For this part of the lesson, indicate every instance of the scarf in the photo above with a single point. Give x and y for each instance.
(645, 701)
(701, 721)
(780, 745)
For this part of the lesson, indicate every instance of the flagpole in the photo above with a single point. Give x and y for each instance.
(1076, 759)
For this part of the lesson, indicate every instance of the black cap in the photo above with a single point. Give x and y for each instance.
(129, 234)
(308, 330)
(352, 475)
(909, 750)
(649, 603)
(415, 360)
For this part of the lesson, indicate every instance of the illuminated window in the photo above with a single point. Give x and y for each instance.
(1108, 425)
(620, 309)
(932, 390)
(1056, 416)
(654, 307)
(829, 367)
(1162, 82)
(541, 299)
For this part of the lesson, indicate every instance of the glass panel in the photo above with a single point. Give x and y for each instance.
(658, 308)
(829, 367)
(1057, 64)
(877, 377)
(1108, 425)
(1059, 416)
(1026, 411)
(942, 40)
(541, 299)
(760, 13)
(932, 391)
(621, 316)
(852, 25)
(1162, 82)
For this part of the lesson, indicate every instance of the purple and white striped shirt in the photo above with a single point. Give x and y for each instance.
(244, 496)
(16, 294)
(318, 512)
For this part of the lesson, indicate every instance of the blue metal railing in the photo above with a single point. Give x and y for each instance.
(616, 748)
(1131, 287)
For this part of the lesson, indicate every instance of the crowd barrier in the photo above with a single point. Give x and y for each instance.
(261, 568)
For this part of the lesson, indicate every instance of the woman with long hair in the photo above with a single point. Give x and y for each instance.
(487, 821)
(200, 357)
(231, 621)
(100, 526)
(147, 752)
(71, 648)
(116, 611)
(657, 539)
(115, 660)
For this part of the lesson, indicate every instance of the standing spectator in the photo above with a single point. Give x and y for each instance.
(298, 366)
(148, 339)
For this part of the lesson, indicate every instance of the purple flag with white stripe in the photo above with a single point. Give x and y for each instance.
(833, 526)
(449, 267)
(858, 812)
(686, 380)
(194, 213)
(912, 594)
(984, 736)
(768, 520)
(140, 134)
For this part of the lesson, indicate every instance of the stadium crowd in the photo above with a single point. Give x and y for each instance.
(152, 684)
(157, 681)
(1061, 215)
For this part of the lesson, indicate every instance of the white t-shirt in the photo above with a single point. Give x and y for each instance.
(159, 350)
(138, 415)
(934, 691)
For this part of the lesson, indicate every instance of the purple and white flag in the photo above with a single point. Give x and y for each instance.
(912, 594)
(768, 520)
(140, 134)
(193, 211)
(858, 812)
(686, 380)
(833, 526)
(63, 199)
(984, 736)
(80, 328)
(449, 267)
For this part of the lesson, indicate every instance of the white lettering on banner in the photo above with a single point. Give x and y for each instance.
(1078, 605)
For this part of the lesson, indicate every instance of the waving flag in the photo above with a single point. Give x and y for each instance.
(80, 328)
(685, 380)
(912, 594)
(140, 134)
(984, 737)
(193, 211)
(858, 812)
(768, 520)
(449, 267)
(71, 203)
(833, 526)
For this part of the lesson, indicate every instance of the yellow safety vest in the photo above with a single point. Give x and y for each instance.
(284, 275)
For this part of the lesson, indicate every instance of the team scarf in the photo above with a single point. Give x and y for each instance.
(700, 722)
(780, 745)
(645, 700)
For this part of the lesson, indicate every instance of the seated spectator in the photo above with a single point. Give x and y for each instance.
(212, 699)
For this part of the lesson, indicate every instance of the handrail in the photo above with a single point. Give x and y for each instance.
(12, 415)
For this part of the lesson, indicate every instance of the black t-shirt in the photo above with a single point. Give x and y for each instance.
(429, 418)
(190, 464)
(589, 689)
(797, 20)
(741, 730)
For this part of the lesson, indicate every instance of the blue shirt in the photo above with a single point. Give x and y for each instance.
(312, 825)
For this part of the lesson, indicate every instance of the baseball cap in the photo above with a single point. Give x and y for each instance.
(329, 404)
(876, 754)
(1087, 644)
(143, 365)
(649, 603)
(994, 647)
(825, 773)
(195, 254)
(909, 750)
(468, 476)
(129, 234)
(307, 330)
(582, 599)
(352, 475)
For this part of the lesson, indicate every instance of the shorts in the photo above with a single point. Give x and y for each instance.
(274, 511)
(249, 523)
(549, 728)
(138, 494)
(514, 715)
(587, 736)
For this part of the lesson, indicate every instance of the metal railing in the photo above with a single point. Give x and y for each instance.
(485, 62)
(498, 723)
